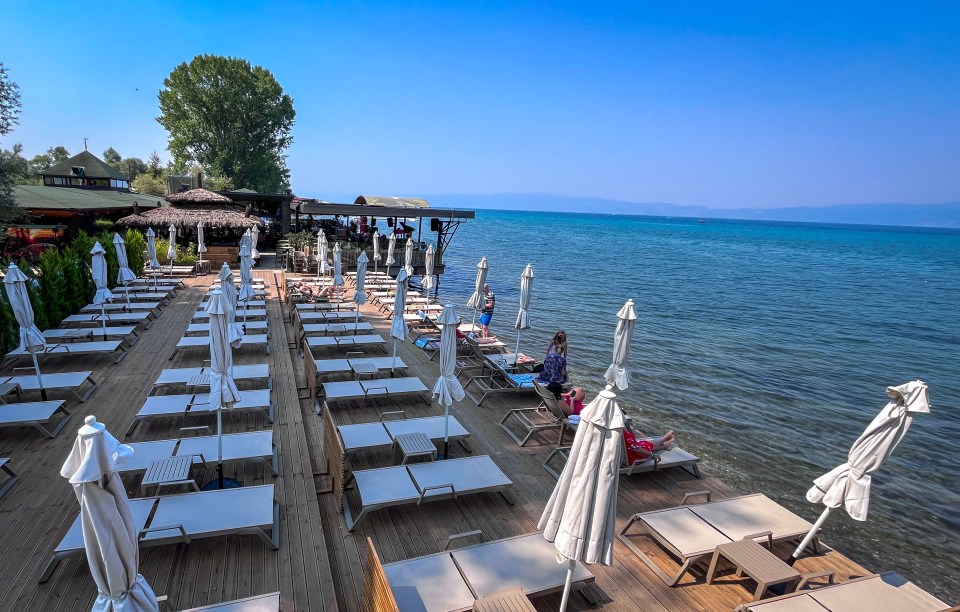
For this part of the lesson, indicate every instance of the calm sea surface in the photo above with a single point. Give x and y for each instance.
(766, 346)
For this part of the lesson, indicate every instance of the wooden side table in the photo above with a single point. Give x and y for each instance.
(168, 472)
(415, 444)
(756, 562)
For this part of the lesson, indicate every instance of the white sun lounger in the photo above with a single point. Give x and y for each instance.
(889, 592)
(35, 414)
(74, 382)
(344, 342)
(190, 516)
(326, 367)
(143, 295)
(374, 388)
(327, 316)
(121, 306)
(691, 533)
(247, 446)
(336, 328)
(252, 313)
(452, 580)
(158, 406)
(419, 482)
(257, 603)
(113, 348)
(146, 284)
(87, 320)
(203, 329)
(200, 377)
(321, 306)
(248, 341)
(248, 304)
(127, 333)
(364, 436)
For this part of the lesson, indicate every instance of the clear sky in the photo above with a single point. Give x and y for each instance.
(756, 104)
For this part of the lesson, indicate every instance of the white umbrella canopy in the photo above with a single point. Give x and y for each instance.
(103, 295)
(152, 248)
(254, 239)
(229, 290)
(223, 389)
(322, 247)
(376, 249)
(337, 266)
(408, 257)
(31, 339)
(201, 247)
(581, 513)
(124, 274)
(526, 288)
(247, 291)
(391, 247)
(109, 530)
(448, 388)
(171, 245)
(848, 484)
(398, 329)
(477, 300)
(428, 282)
(617, 374)
(360, 296)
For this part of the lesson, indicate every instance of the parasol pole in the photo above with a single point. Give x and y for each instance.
(571, 563)
(220, 446)
(810, 535)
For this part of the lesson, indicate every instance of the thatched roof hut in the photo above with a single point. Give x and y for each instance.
(188, 208)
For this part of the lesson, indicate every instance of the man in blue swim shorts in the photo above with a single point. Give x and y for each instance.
(487, 313)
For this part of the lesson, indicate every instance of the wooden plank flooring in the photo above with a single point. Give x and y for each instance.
(320, 564)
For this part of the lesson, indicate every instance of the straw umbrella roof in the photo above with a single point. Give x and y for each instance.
(188, 208)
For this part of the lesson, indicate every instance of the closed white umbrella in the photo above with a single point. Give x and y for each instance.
(617, 374)
(171, 245)
(376, 250)
(152, 252)
(223, 389)
(448, 389)
(322, 247)
(391, 247)
(428, 283)
(477, 301)
(254, 239)
(360, 296)
(201, 247)
(109, 530)
(124, 274)
(247, 291)
(408, 257)
(581, 514)
(848, 484)
(337, 266)
(398, 329)
(103, 295)
(31, 339)
(229, 290)
(523, 318)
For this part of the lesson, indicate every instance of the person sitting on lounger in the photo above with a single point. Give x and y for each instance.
(572, 401)
(554, 372)
(307, 291)
(643, 449)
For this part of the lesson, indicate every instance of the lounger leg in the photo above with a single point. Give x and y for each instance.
(668, 579)
(52, 565)
(119, 354)
(275, 462)
(133, 426)
(587, 592)
(13, 479)
(89, 391)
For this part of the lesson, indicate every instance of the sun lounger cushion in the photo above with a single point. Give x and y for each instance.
(523, 380)
(430, 344)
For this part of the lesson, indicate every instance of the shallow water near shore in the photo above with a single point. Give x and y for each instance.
(766, 346)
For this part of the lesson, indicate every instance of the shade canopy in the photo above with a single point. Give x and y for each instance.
(124, 274)
(428, 282)
(848, 484)
(391, 248)
(477, 301)
(189, 208)
(526, 289)
(223, 389)
(448, 388)
(337, 266)
(408, 257)
(376, 245)
(247, 291)
(198, 196)
(360, 296)
(229, 290)
(617, 374)
(398, 328)
(99, 268)
(152, 248)
(172, 242)
(201, 247)
(15, 283)
(322, 247)
(109, 530)
(254, 240)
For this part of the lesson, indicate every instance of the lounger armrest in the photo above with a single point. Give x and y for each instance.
(24, 369)
(708, 494)
(183, 532)
(51, 348)
(423, 492)
(829, 575)
(460, 536)
(367, 390)
(198, 428)
(354, 354)
(203, 459)
(402, 413)
(762, 534)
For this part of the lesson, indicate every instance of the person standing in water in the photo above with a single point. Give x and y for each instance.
(487, 313)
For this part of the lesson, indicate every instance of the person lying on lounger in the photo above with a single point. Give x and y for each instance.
(308, 291)
(643, 449)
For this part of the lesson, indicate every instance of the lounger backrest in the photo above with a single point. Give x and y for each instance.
(549, 401)
(335, 455)
(377, 595)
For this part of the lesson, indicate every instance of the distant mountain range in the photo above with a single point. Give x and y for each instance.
(921, 215)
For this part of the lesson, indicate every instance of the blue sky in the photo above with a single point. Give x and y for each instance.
(716, 104)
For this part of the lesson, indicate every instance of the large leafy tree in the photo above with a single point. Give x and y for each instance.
(10, 166)
(231, 118)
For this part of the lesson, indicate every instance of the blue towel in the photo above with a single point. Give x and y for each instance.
(428, 343)
(523, 380)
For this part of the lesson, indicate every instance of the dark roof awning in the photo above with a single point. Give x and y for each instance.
(93, 167)
(359, 210)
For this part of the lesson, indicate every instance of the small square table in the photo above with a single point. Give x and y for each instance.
(168, 472)
(200, 380)
(77, 334)
(335, 329)
(756, 562)
(415, 444)
(361, 368)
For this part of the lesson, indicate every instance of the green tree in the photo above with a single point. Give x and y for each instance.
(53, 286)
(9, 336)
(132, 167)
(231, 118)
(39, 163)
(149, 184)
(9, 164)
(58, 154)
(9, 102)
(77, 287)
(154, 165)
(112, 157)
(136, 246)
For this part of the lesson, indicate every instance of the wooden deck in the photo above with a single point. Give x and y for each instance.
(320, 564)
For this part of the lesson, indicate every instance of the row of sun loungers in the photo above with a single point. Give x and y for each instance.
(127, 333)
(247, 446)
(198, 404)
(193, 342)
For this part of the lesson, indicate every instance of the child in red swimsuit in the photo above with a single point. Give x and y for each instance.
(642, 450)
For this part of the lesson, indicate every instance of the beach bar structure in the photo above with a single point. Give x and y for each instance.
(443, 221)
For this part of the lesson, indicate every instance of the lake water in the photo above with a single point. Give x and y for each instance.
(766, 346)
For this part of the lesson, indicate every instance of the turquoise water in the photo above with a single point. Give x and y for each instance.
(766, 346)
